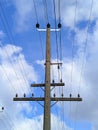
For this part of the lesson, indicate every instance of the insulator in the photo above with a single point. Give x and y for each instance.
(59, 25)
(58, 67)
(61, 80)
(32, 94)
(54, 95)
(70, 95)
(78, 95)
(53, 80)
(62, 95)
(16, 95)
(2, 108)
(48, 25)
(24, 95)
(37, 25)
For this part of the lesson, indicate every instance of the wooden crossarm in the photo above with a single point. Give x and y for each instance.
(51, 84)
(42, 99)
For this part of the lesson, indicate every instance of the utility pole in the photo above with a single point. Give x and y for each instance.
(47, 85)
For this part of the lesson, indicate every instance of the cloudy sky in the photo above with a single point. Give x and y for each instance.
(22, 58)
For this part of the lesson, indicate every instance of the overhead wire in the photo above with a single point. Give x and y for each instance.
(4, 71)
(86, 42)
(41, 44)
(60, 41)
(72, 56)
(55, 30)
(8, 119)
(60, 50)
(5, 125)
(46, 11)
(10, 36)
(84, 56)
(7, 76)
(59, 12)
(7, 52)
(60, 32)
(72, 65)
(56, 36)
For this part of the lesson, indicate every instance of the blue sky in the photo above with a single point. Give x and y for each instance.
(21, 63)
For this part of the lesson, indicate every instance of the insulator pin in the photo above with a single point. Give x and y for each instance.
(37, 25)
(59, 25)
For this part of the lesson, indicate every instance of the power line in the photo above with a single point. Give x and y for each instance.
(46, 11)
(55, 31)
(8, 119)
(84, 56)
(35, 10)
(10, 36)
(58, 67)
(60, 49)
(59, 9)
(14, 70)
(7, 77)
(72, 65)
(72, 55)
(86, 42)
(37, 25)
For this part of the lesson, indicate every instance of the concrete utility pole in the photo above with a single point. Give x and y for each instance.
(47, 86)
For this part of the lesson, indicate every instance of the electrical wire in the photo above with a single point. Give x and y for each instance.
(9, 59)
(21, 65)
(56, 41)
(35, 10)
(59, 10)
(55, 30)
(72, 65)
(41, 44)
(7, 54)
(8, 119)
(45, 11)
(85, 49)
(60, 51)
(86, 42)
(4, 71)
(10, 36)
(72, 55)
(8, 128)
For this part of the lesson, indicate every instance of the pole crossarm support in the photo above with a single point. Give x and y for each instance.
(51, 84)
(59, 63)
(44, 30)
(56, 64)
(42, 99)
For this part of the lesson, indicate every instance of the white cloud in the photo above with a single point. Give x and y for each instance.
(82, 11)
(24, 12)
(14, 79)
(25, 16)
(37, 123)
